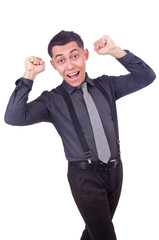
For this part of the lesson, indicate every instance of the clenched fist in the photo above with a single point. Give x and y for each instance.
(33, 66)
(105, 45)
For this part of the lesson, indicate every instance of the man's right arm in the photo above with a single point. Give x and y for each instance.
(18, 112)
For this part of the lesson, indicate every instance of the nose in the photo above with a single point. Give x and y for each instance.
(70, 65)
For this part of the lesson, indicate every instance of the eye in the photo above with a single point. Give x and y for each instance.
(75, 56)
(61, 61)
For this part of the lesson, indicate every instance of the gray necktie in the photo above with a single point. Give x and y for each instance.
(98, 131)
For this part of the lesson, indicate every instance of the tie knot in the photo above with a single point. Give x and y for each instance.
(84, 87)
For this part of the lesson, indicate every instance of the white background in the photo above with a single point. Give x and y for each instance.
(35, 199)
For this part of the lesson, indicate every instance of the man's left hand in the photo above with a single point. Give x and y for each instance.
(105, 45)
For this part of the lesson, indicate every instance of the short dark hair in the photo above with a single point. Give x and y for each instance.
(63, 38)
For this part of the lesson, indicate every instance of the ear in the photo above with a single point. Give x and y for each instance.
(52, 63)
(86, 53)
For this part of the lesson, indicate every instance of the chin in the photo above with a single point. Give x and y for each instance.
(75, 84)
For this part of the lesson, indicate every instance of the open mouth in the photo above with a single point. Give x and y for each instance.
(73, 75)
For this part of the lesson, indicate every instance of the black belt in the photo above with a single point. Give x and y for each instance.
(98, 166)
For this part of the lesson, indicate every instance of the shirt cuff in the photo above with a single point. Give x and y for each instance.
(27, 82)
(127, 58)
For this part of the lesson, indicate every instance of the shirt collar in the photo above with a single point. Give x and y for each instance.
(70, 89)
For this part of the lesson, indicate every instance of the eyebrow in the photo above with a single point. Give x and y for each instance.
(59, 55)
(74, 50)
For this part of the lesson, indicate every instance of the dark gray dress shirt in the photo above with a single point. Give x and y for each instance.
(50, 106)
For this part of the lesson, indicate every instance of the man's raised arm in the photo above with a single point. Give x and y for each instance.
(18, 112)
(141, 75)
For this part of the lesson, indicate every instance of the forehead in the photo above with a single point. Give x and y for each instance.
(65, 49)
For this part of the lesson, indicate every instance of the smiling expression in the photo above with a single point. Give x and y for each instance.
(70, 61)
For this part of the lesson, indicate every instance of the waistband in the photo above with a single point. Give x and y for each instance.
(98, 166)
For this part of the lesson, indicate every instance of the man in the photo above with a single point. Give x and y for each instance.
(92, 150)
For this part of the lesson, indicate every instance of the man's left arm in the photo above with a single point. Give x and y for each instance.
(140, 75)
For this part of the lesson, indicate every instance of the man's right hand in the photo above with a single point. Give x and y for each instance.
(33, 66)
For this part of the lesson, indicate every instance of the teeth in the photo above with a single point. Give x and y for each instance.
(72, 74)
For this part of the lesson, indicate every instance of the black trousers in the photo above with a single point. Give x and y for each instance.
(96, 194)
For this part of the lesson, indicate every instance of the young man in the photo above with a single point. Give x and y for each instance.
(92, 150)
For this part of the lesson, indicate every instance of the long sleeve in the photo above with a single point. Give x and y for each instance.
(141, 75)
(19, 112)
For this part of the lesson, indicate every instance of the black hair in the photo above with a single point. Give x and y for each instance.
(63, 38)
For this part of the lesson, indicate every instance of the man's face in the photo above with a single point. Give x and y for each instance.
(70, 61)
